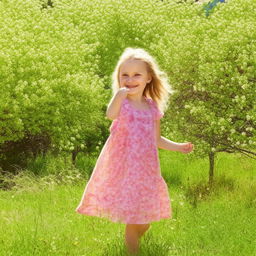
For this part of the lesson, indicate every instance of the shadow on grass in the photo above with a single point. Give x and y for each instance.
(201, 190)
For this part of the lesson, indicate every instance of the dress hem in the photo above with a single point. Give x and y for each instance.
(120, 221)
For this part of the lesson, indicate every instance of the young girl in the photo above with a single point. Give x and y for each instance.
(126, 185)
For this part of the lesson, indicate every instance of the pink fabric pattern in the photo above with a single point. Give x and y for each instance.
(126, 185)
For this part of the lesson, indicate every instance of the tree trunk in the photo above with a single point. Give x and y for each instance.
(211, 168)
(74, 154)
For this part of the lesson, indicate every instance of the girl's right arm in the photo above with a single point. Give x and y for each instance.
(114, 106)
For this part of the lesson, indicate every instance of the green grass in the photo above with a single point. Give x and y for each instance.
(41, 220)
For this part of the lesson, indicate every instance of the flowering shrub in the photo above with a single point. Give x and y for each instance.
(56, 63)
(49, 81)
(211, 65)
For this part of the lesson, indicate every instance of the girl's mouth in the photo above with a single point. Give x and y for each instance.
(130, 86)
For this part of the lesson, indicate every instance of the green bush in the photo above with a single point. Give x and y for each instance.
(49, 81)
(56, 65)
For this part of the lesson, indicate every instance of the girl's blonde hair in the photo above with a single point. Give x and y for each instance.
(158, 89)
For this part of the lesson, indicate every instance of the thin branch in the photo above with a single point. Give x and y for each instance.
(237, 149)
(242, 150)
(248, 155)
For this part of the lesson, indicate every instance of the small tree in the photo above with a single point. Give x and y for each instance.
(211, 64)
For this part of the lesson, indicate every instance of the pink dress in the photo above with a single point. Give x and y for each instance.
(126, 185)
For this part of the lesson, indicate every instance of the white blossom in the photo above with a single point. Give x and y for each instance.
(248, 117)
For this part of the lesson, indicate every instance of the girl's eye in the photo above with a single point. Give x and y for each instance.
(135, 75)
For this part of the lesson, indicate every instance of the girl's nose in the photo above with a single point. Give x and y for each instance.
(128, 78)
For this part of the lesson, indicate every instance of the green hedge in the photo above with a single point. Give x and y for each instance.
(56, 65)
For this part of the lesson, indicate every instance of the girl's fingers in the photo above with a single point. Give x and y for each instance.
(188, 147)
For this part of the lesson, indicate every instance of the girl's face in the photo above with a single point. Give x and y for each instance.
(134, 75)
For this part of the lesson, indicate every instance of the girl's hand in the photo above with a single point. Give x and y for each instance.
(186, 147)
(122, 92)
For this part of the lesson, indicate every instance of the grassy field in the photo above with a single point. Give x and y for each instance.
(205, 222)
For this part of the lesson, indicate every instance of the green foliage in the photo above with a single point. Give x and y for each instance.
(211, 65)
(43, 165)
(26, 180)
(57, 59)
(86, 163)
(49, 83)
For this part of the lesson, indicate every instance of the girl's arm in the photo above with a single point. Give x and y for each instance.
(164, 143)
(114, 106)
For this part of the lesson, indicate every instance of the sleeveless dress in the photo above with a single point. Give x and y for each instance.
(126, 185)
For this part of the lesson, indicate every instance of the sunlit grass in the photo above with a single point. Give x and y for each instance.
(43, 221)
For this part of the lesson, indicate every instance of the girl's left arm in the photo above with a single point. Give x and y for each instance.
(164, 143)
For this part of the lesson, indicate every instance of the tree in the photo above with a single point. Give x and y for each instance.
(211, 65)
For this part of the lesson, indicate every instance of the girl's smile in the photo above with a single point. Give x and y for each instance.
(131, 86)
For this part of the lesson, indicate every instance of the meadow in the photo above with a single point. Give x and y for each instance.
(56, 64)
(38, 214)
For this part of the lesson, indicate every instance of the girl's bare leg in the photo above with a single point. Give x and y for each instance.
(133, 233)
(132, 238)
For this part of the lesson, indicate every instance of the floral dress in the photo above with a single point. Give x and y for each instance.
(126, 185)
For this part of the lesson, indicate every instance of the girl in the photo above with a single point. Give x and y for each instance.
(126, 185)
